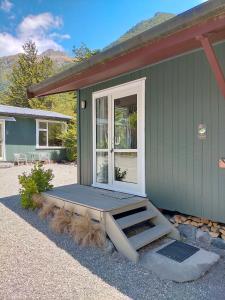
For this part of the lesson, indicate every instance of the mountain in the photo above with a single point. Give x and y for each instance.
(142, 26)
(60, 59)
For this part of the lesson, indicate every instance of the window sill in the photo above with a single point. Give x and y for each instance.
(49, 148)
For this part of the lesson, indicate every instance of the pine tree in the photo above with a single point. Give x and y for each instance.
(28, 70)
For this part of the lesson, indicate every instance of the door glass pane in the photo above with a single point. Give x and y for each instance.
(102, 167)
(125, 122)
(102, 123)
(125, 167)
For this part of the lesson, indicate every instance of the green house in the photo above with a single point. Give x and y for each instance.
(32, 134)
(151, 113)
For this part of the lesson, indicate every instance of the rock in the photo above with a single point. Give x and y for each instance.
(214, 234)
(218, 242)
(190, 269)
(187, 231)
(172, 220)
(203, 237)
(210, 224)
(205, 228)
(223, 237)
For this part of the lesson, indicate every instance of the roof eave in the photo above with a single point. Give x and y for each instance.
(181, 22)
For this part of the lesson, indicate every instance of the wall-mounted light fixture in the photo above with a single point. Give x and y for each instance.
(83, 104)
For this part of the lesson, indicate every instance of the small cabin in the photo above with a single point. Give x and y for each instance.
(32, 134)
(151, 113)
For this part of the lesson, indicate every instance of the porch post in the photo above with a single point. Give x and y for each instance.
(214, 63)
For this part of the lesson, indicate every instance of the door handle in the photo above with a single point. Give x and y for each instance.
(111, 150)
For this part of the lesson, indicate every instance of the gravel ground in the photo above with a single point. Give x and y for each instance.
(35, 263)
(64, 174)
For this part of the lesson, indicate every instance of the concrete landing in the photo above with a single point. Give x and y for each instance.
(165, 268)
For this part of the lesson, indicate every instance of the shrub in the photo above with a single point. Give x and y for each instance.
(36, 182)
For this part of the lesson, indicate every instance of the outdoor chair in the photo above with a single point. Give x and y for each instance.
(45, 157)
(20, 158)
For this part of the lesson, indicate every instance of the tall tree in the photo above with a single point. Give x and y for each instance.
(83, 52)
(28, 70)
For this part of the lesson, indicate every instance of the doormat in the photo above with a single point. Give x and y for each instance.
(178, 251)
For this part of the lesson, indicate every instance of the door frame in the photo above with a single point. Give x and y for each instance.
(3, 130)
(131, 87)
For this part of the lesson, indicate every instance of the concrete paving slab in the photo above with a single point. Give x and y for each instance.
(191, 269)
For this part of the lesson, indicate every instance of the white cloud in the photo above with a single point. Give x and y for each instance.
(60, 36)
(6, 5)
(37, 28)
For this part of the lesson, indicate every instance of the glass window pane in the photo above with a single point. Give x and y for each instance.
(125, 122)
(42, 125)
(126, 167)
(102, 123)
(54, 134)
(102, 167)
(42, 138)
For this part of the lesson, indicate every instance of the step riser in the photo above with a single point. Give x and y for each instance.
(142, 239)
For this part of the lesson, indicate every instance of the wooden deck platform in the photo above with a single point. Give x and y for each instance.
(94, 198)
(104, 205)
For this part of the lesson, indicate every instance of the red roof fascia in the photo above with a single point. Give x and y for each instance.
(153, 52)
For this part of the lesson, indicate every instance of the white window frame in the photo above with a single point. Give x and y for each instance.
(3, 158)
(135, 86)
(40, 129)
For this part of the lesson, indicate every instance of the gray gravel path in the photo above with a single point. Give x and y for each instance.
(9, 185)
(35, 263)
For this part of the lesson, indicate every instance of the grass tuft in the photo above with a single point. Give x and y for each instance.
(39, 200)
(46, 210)
(87, 232)
(61, 221)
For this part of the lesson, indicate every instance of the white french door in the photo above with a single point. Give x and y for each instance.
(2, 140)
(118, 138)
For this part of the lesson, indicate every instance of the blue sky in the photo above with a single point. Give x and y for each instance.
(60, 24)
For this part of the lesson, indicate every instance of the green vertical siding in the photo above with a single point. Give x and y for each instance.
(182, 171)
(20, 137)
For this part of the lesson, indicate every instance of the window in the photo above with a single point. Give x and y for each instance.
(49, 134)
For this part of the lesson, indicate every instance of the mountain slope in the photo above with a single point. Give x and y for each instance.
(60, 59)
(143, 26)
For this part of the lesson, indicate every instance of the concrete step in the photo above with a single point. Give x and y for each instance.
(136, 218)
(146, 237)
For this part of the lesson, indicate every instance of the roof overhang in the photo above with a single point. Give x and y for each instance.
(9, 119)
(171, 38)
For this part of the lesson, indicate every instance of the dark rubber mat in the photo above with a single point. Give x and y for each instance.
(178, 251)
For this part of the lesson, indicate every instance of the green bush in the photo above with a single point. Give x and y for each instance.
(36, 182)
